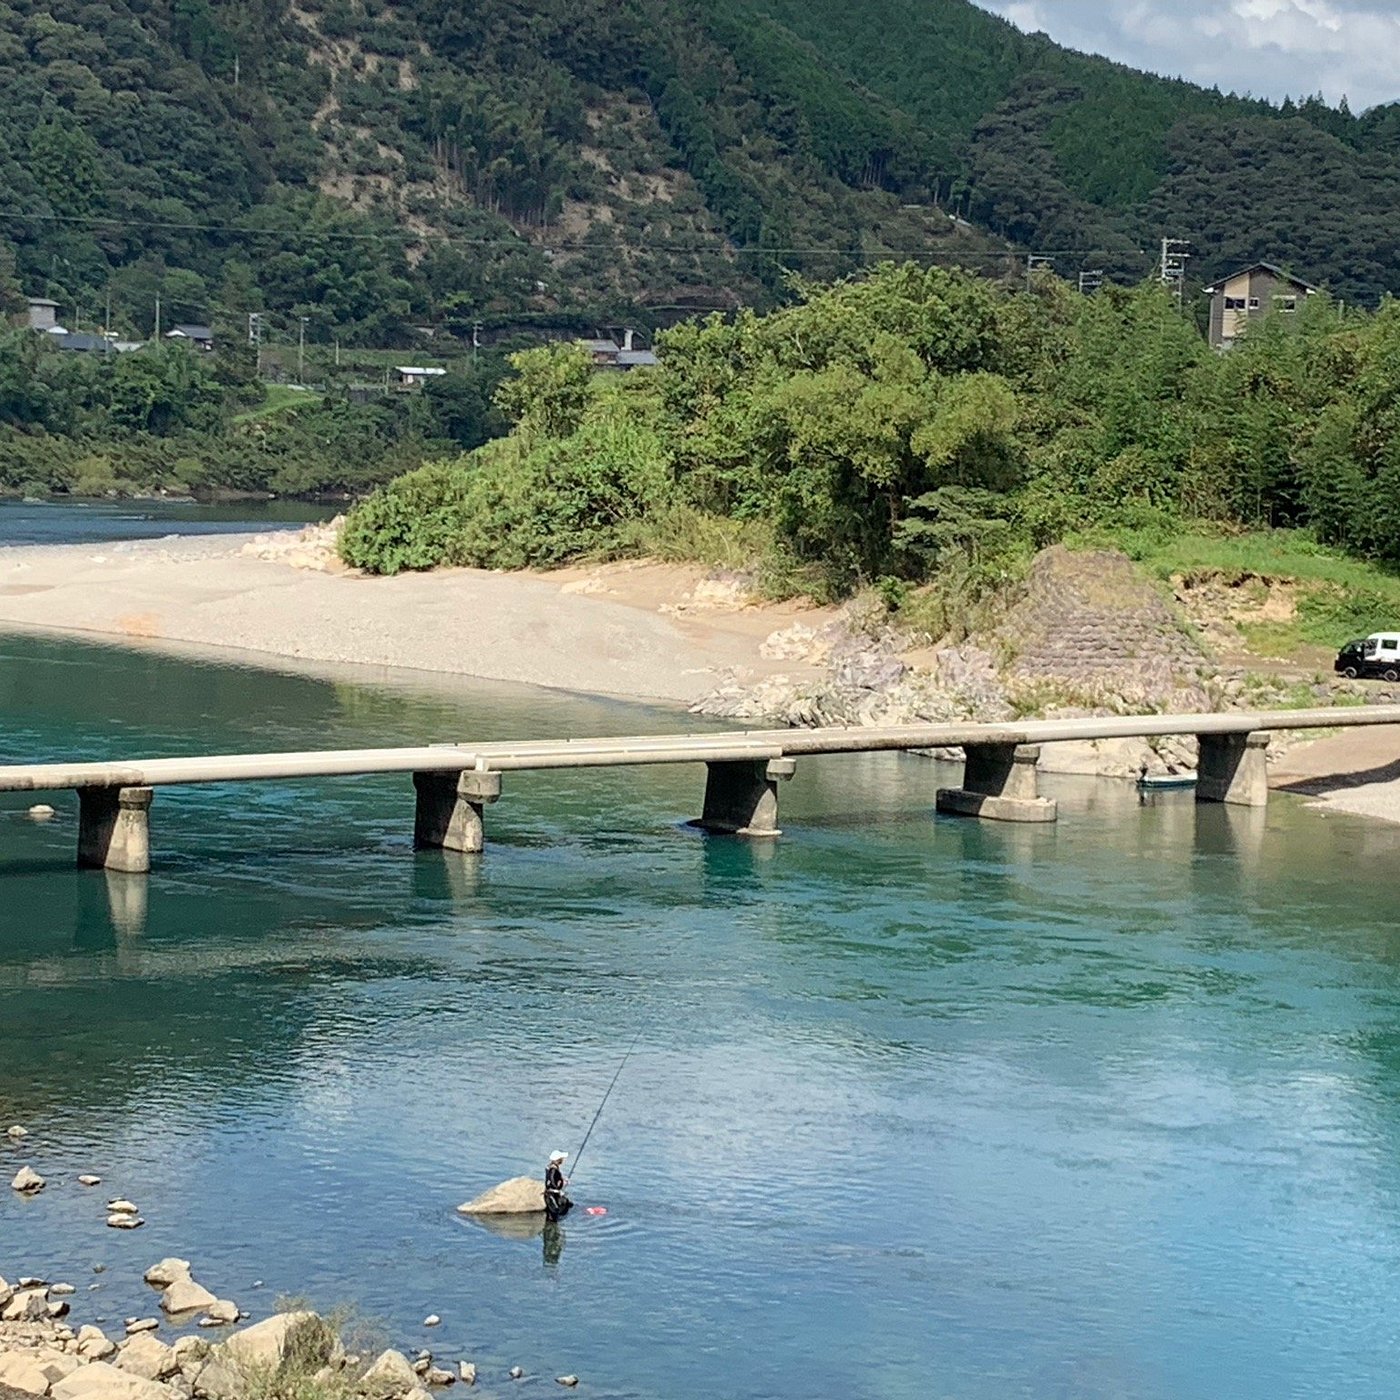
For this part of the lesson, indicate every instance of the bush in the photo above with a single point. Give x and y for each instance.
(412, 523)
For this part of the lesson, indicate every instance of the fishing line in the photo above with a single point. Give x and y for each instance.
(579, 1154)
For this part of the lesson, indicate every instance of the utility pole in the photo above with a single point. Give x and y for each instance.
(301, 352)
(157, 335)
(1090, 281)
(476, 339)
(1035, 261)
(1176, 252)
(255, 330)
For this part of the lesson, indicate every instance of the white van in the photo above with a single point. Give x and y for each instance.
(1376, 655)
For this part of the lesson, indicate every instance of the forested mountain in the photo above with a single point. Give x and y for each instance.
(373, 166)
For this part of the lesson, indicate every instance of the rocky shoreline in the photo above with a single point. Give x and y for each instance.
(47, 1350)
(1087, 637)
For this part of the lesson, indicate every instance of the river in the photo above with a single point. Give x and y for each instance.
(918, 1106)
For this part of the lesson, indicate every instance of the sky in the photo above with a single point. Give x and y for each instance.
(1272, 48)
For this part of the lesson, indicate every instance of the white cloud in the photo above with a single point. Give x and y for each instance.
(1272, 48)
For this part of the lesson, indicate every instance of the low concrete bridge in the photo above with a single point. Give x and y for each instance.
(454, 783)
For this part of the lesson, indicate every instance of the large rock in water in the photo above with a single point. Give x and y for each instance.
(185, 1295)
(521, 1195)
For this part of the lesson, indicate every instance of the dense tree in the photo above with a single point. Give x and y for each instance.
(921, 424)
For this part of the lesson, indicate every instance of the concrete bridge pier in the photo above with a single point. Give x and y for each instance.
(449, 808)
(1232, 768)
(114, 829)
(741, 796)
(999, 782)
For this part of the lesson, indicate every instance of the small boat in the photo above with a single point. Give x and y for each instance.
(1165, 782)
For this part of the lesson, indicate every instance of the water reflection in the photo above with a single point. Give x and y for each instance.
(1105, 1108)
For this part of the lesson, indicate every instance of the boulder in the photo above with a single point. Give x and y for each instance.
(389, 1377)
(58, 1308)
(62, 1290)
(217, 1379)
(100, 1380)
(566, 1380)
(124, 1220)
(27, 1181)
(16, 1134)
(26, 1305)
(221, 1312)
(521, 1195)
(190, 1353)
(20, 1369)
(87, 1179)
(6, 1292)
(148, 1358)
(94, 1344)
(141, 1324)
(168, 1271)
(438, 1376)
(432, 1320)
(467, 1371)
(265, 1344)
(186, 1296)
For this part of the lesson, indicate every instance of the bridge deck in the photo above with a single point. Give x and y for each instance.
(735, 746)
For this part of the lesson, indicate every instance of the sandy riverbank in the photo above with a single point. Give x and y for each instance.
(1356, 771)
(634, 631)
(640, 631)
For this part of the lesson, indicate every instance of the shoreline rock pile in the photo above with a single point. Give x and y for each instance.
(43, 1356)
(1085, 634)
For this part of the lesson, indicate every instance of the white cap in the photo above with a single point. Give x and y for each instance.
(558, 1156)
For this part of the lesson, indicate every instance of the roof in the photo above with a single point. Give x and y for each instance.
(1272, 268)
(81, 340)
(191, 332)
(40, 301)
(417, 369)
(602, 347)
(635, 359)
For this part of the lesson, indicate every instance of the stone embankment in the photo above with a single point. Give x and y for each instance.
(1085, 634)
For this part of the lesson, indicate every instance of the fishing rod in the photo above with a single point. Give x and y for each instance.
(618, 1075)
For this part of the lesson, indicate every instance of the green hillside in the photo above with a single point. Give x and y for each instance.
(375, 167)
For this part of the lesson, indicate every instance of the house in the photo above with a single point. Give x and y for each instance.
(607, 353)
(416, 376)
(199, 336)
(603, 351)
(84, 343)
(43, 313)
(1249, 294)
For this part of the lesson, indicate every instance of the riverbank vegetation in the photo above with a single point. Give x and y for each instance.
(921, 430)
(171, 419)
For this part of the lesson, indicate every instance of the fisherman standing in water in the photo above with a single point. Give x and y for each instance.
(556, 1203)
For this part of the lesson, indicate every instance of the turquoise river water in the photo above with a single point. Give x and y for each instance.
(918, 1107)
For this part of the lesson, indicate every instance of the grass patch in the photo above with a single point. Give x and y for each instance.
(1339, 597)
(278, 399)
